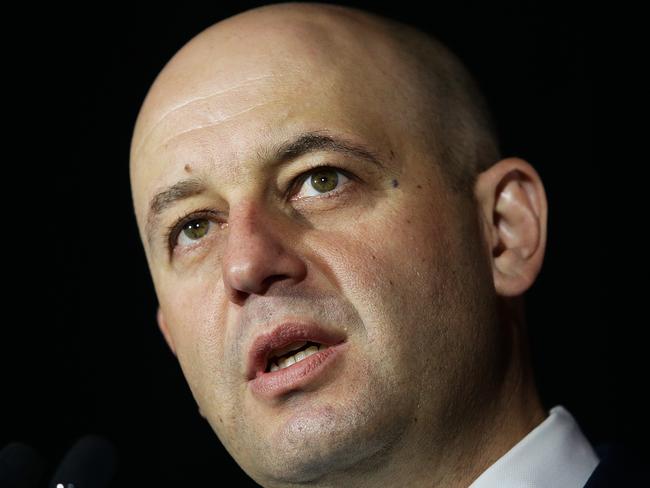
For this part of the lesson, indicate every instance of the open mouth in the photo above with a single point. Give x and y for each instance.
(292, 354)
(289, 347)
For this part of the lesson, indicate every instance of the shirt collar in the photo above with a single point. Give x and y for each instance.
(555, 453)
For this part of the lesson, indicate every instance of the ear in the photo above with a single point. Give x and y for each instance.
(513, 207)
(162, 325)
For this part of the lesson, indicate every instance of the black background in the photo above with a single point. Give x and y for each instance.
(84, 354)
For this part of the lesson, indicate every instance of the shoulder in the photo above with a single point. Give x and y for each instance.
(620, 465)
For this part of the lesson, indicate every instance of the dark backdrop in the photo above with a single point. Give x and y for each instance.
(84, 352)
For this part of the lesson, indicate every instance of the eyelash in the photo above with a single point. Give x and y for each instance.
(172, 232)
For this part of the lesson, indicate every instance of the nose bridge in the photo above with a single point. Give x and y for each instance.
(249, 228)
(256, 255)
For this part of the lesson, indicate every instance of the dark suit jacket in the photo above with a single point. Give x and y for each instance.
(620, 466)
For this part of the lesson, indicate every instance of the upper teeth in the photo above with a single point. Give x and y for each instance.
(299, 356)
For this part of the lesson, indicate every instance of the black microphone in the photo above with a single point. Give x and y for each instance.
(21, 466)
(90, 463)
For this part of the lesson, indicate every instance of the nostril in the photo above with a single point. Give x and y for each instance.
(238, 296)
(269, 280)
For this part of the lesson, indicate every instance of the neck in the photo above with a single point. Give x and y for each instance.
(516, 410)
(515, 414)
(491, 428)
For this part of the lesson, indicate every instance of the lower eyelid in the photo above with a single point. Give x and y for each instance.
(346, 191)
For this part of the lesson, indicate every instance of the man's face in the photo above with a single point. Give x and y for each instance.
(379, 254)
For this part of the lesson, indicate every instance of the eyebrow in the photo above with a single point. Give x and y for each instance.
(304, 143)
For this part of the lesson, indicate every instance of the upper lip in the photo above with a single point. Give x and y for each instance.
(283, 335)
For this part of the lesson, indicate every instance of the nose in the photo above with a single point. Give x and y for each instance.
(256, 256)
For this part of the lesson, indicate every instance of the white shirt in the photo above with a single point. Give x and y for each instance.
(554, 454)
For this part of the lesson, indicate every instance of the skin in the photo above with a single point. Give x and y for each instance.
(427, 284)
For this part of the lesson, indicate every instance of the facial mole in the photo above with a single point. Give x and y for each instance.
(395, 183)
(419, 186)
(188, 168)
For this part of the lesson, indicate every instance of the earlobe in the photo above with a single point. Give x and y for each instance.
(162, 325)
(514, 211)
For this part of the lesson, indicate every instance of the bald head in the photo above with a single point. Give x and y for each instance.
(432, 93)
(390, 255)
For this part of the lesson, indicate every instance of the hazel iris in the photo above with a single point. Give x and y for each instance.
(196, 229)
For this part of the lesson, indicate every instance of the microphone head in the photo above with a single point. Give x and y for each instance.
(89, 463)
(21, 466)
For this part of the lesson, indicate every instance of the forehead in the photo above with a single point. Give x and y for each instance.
(224, 98)
(246, 52)
(301, 42)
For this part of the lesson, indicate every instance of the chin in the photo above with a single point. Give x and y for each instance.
(324, 447)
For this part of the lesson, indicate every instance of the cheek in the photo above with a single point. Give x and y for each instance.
(196, 322)
(393, 269)
(405, 251)
(190, 307)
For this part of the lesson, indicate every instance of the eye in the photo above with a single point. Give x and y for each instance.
(323, 180)
(190, 229)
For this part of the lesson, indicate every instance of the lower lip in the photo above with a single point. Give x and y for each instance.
(274, 384)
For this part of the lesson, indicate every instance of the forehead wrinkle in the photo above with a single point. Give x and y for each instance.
(213, 124)
(305, 40)
(188, 104)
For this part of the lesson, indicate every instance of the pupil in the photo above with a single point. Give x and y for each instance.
(324, 181)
